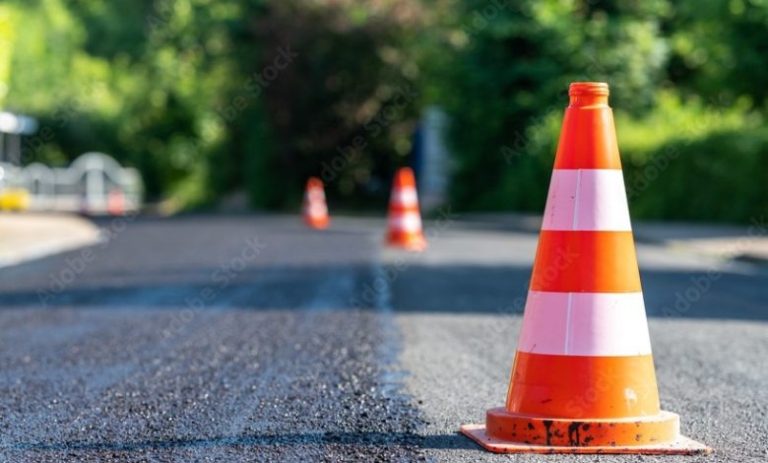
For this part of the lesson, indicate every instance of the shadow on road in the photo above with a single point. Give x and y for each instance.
(414, 288)
(357, 439)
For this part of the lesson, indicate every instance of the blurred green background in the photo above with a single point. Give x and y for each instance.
(214, 98)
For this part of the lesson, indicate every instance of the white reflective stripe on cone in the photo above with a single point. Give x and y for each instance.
(587, 199)
(404, 197)
(407, 222)
(316, 210)
(316, 194)
(591, 324)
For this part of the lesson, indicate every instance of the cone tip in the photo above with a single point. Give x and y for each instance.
(588, 89)
(588, 94)
(405, 177)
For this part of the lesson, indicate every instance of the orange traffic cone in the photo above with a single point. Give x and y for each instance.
(116, 202)
(404, 221)
(315, 209)
(583, 380)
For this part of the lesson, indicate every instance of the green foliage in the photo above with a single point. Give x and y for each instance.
(133, 79)
(228, 95)
(215, 97)
(692, 161)
(514, 64)
(685, 77)
(684, 160)
(337, 99)
(721, 177)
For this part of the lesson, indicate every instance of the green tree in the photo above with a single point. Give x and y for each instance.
(514, 62)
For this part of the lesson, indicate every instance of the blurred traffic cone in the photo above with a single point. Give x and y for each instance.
(315, 210)
(583, 380)
(116, 202)
(404, 221)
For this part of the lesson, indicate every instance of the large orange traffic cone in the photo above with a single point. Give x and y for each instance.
(315, 209)
(404, 221)
(583, 380)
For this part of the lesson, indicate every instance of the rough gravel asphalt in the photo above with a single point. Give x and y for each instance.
(248, 338)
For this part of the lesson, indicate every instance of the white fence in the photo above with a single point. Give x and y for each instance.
(94, 184)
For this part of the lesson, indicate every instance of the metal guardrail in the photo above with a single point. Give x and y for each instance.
(93, 184)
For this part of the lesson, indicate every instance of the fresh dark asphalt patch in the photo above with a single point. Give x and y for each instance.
(253, 339)
(202, 339)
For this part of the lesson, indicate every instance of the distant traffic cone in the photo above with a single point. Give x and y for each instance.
(315, 209)
(404, 221)
(583, 380)
(116, 202)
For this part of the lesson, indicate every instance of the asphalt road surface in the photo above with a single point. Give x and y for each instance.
(253, 339)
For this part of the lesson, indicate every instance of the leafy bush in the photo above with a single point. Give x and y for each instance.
(683, 160)
(689, 106)
(190, 92)
(213, 98)
(512, 69)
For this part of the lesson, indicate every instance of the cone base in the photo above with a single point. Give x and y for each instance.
(409, 243)
(680, 446)
(515, 433)
(317, 224)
